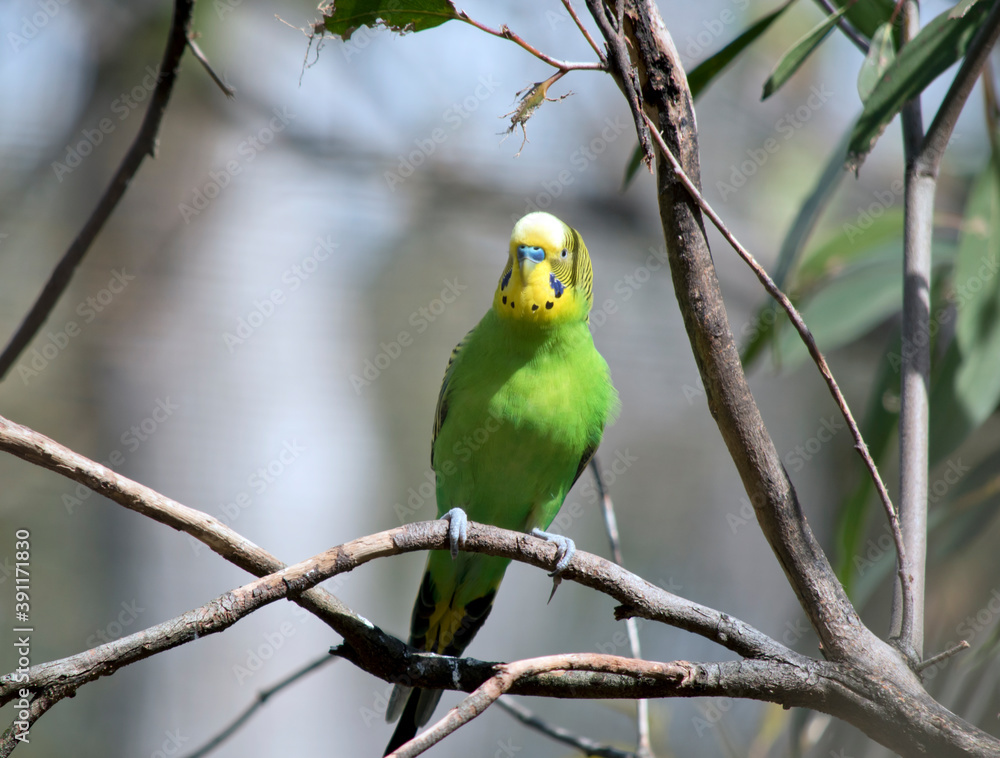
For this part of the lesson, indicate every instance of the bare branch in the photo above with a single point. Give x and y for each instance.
(863, 691)
(923, 159)
(907, 618)
(509, 673)
(143, 145)
(505, 33)
(638, 597)
(583, 744)
(645, 748)
(579, 24)
(262, 697)
(228, 91)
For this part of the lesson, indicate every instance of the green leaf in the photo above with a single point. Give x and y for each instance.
(847, 308)
(968, 498)
(706, 71)
(760, 329)
(867, 16)
(864, 237)
(344, 18)
(792, 60)
(810, 212)
(938, 45)
(966, 387)
(880, 56)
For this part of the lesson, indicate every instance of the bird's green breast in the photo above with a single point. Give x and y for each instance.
(524, 406)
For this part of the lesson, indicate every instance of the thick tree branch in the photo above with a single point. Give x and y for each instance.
(143, 145)
(638, 597)
(871, 701)
(861, 692)
(668, 104)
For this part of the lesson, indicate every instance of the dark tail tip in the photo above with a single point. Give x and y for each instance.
(406, 729)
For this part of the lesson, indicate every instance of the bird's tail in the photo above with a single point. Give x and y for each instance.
(441, 623)
(407, 727)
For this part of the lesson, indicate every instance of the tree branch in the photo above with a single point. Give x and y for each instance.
(668, 103)
(586, 746)
(861, 692)
(645, 748)
(262, 697)
(509, 674)
(143, 145)
(504, 32)
(907, 619)
(638, 597)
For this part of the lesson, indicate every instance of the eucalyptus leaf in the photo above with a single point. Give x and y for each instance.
(346, 16)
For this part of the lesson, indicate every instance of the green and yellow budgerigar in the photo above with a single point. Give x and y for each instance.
(522, 408)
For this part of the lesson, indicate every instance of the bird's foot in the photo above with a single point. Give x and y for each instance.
(565, 549)
(458, 529)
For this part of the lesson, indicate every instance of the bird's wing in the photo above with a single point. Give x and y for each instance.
(441, 411)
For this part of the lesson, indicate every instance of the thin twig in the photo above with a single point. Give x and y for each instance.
(40, 704)
(509, 673)
(645, 747)
(143, 145)
(846, 27)
(228, 91)
(585, 745)
(258, 702)
(943, 655)
(505, 33)
(579, 24)
(810, 343)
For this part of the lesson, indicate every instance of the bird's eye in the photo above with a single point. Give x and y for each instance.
(565, 253)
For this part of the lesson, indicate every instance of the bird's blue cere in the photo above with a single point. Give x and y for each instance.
(529, 253)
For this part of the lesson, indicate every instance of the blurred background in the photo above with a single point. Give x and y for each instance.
(237, 347)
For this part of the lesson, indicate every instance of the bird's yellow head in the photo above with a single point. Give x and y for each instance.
(548, 278)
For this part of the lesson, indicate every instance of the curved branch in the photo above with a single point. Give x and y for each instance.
(143, 145)
(505, 33)
(860, 692)
(638, 597)
(586, 746)
(509, 673)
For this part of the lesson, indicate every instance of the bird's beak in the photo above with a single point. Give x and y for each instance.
(528, 257)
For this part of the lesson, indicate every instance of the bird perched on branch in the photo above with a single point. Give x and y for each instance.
(522, 408)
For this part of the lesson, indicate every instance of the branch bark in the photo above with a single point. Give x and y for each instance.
(668, 104)
(858, 690)
(143, 145)
(896, 716)
(924, 154)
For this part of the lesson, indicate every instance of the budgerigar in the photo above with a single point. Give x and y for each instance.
(522, 408)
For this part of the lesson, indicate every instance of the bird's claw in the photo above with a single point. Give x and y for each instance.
(458, 529)
(565, 550)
